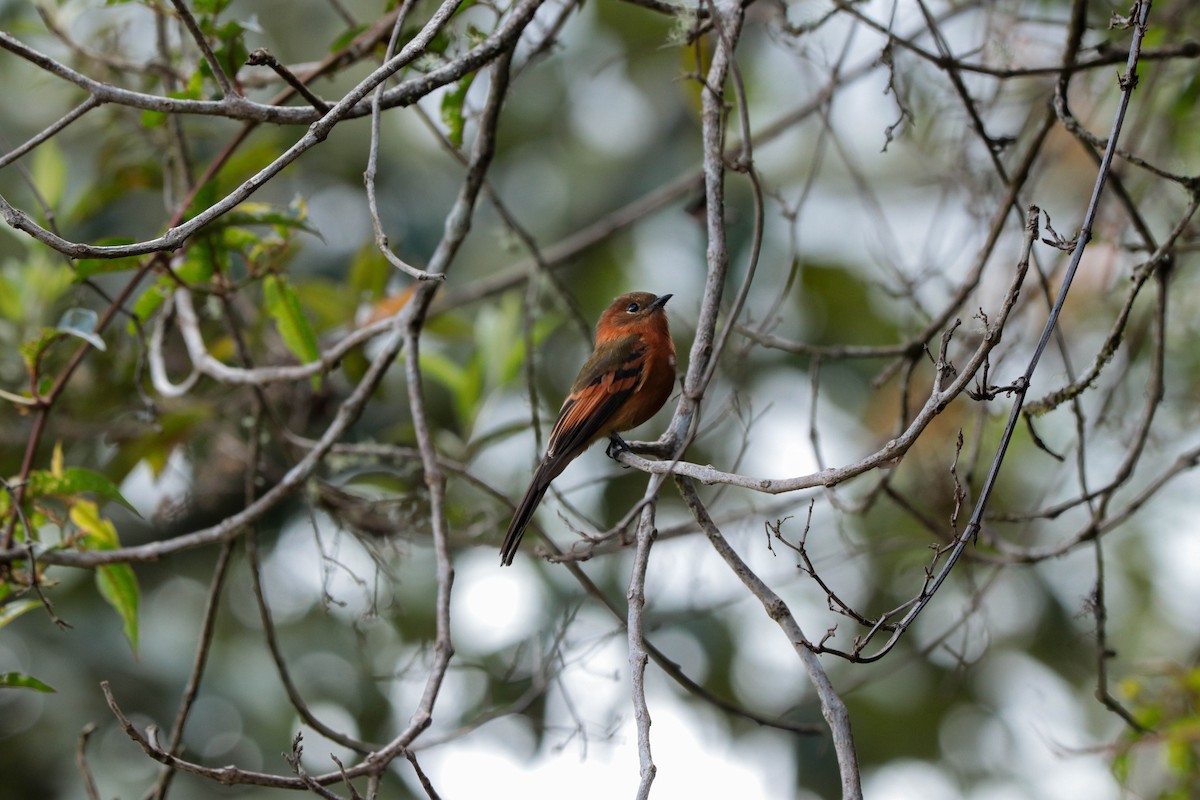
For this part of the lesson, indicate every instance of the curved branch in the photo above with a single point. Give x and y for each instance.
(939, 398)
(351, 105)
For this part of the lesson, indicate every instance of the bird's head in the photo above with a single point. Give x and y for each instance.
(632, 312)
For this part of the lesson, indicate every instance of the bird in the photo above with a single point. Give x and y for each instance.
(624, 382)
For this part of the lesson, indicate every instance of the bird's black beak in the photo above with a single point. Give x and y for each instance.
(660, 301)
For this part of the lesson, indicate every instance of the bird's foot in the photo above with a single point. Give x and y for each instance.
(616, 446)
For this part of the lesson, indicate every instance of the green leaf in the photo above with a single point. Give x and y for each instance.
(74, 481)
(153, 119)
(369, 273)
(233, 53)
(452, 109)
(15, 680)
(266, 214)
(447, 372)
(243, 240)
(99, 533)
(118, 585)
(117, 582)
(10, 297)
(203, 258)
(510, 366)
(1178, 753)
(329, 303)
(345, 38)
(283, 306)
(150, 300)
(213, 7)
(464, 382)
(32, 350)
(1120, 768)
(13, 610)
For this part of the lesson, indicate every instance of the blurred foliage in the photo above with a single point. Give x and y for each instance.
(861, 247)
(1167, 705)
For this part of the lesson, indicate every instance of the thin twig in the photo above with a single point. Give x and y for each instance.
(49, 132)
(635, 632)
(458, 223)
(426, 784)
(1099, 608)
(214, 64)
(381, 240)
(89, 781)
(263, 57)
(349, 106)
(204, 640)
(270, 634)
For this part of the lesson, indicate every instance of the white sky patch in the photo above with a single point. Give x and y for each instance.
(317, 748)
(494, 608)
(339, 231)
(693, 760)
(148, 492)
(909, 780)
(611, 115)
(1047, 728)
(1176, 552)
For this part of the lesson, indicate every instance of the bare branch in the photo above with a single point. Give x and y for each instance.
(832, 707)
(214, 65)
(381, 240)
(504, 37)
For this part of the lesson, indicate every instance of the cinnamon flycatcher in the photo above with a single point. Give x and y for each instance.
(623, 383)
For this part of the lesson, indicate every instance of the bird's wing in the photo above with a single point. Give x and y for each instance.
(606, 381)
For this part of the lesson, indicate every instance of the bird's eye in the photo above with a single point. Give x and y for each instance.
(632, 308)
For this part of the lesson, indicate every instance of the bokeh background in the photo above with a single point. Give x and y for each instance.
(879, 198)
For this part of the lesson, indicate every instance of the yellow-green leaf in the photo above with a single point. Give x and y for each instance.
(99, 532)
(283, 306)
(149, 301)
(50, 172)
(71, 482)
(15, 609)
(369, 273)
(56, 461)
(117, 582)
(452, 109)
(118, 585)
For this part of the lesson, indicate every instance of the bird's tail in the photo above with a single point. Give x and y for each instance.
(522, 516)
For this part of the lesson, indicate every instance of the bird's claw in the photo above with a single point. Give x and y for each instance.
(616, 446)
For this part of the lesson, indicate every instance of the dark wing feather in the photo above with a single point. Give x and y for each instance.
(520, 520)
(604, 384)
